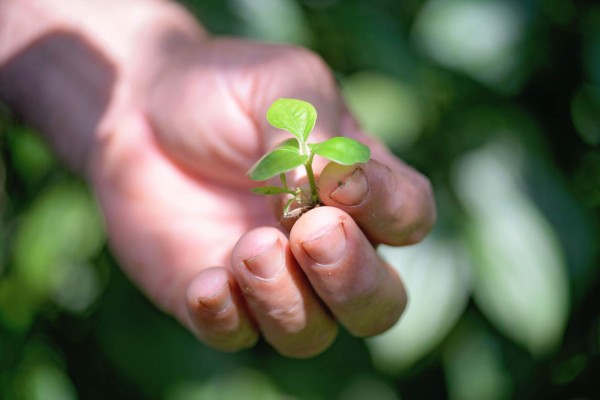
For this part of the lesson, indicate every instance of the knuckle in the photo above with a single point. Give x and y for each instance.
(291, 318)
(414, 218)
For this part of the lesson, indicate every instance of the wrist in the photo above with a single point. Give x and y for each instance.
(72, 72)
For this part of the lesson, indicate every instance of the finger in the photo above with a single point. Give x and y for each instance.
(392, 203)
(290, 316)
(165, 228)
(217, 311)
(364, 293)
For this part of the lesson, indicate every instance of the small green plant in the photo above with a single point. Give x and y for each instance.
(298, 118)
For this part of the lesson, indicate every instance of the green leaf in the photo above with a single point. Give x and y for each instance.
(295, 116)
(342, 150)
(280, 160)
(271, 190)
(290, 144)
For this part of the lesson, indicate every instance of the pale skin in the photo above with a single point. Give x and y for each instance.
(165, 129)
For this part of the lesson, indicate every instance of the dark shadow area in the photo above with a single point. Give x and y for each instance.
(60, 84)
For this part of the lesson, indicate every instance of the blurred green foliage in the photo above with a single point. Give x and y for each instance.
(497, 101)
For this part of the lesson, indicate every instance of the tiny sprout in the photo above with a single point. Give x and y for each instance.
(298, 118)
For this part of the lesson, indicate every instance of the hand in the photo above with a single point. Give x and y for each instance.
(168, 166)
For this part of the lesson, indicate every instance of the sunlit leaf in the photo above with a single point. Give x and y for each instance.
(342, 150)
(520, 283)
(280, 160)
(47, 382)
(444, 31)
(295, 116)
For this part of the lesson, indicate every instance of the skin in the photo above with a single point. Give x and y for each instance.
(165, 129)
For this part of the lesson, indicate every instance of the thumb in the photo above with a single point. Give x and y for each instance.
(341, 123)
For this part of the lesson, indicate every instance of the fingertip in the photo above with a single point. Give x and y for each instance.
(393, 204)
(210, 291)
(344, 185)
(317, 222)
(254, 243)
(364, 293)
(290, 316)
(217, 313)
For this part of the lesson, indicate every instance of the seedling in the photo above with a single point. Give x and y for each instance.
(298, 118)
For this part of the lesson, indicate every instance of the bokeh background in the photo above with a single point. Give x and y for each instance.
(497, 101)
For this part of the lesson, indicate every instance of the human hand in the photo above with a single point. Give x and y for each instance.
(168, 166)
(192, 226)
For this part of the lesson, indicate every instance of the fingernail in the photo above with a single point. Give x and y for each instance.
(216, 300)
(328, 248)
(353, 190)
(266, 265)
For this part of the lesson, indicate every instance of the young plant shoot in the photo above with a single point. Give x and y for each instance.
(298, 118)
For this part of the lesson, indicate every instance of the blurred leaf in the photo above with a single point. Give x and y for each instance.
(587, 178)
(18, 305)
(473, 366)
(342, 150)
(585, 110)
(31, 158)
(574, 226)
(233, 385)
(591, 42)
(272, 20)
(78, 289)
(568, 370)
(369, 388)
(386, 107)
(436, 275)
(40, 375)
(46, 382)
(521, 283)
(63, 228)
(479, 38)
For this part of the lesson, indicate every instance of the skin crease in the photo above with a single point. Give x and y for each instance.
(167, 163)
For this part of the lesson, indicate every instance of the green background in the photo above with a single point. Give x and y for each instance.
(498, 102)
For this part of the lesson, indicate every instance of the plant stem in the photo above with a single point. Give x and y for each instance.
(284, 181)
(304, 148)
(314, 196)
